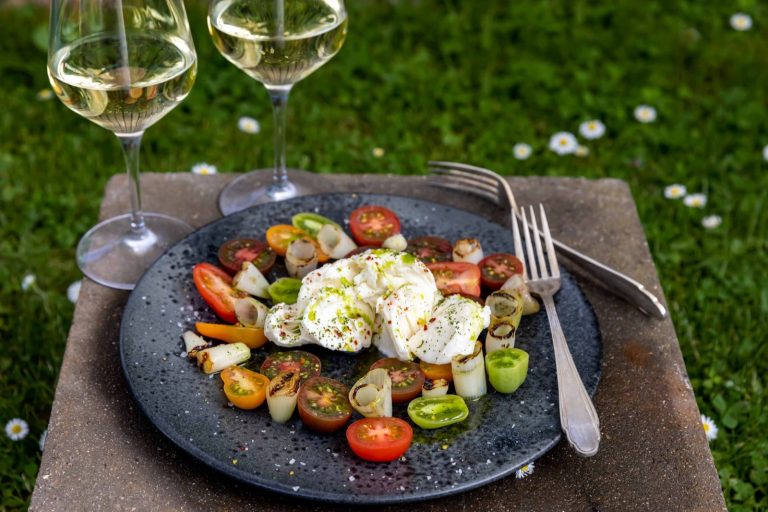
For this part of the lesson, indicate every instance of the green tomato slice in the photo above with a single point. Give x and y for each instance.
(437, 411)
(507, 369)
(310, 222)
(285, 289)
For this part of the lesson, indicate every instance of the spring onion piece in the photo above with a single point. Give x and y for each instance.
(215, 359)
(516, 282)
(282, 395)
(371, 396)
(507, 369)
(395, 242)
(469, 373)
(250, 280)
(436, 387)
(334, 241)
(300, 258)
(250, 312)
(468, 250)
(506, 309)
(193, 343)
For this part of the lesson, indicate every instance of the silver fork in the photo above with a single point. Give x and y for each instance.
(486, 183)
(578, 417)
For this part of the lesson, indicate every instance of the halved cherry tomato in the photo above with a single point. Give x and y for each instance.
(371, 225)
(215, 286)
(244, 388)
(430, 249)
(436, 371)
(305, 364)
(379, 439)
(406, 376)
(253, 337)
(324, 404)
(234, 253)
(456, 277)
(279, 237)
(495, 269)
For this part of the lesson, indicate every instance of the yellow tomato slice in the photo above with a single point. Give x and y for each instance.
(253, 337)
(244, 388)
(279, 237)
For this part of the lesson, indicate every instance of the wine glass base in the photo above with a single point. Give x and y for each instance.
(111, 254)
(256, 187)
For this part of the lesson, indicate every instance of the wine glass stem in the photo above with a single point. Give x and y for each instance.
(279, 96)
(131, 145)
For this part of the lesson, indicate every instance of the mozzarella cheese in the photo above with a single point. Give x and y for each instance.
(400, 314)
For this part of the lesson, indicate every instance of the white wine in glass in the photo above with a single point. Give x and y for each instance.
(123, 64)
(279, 43)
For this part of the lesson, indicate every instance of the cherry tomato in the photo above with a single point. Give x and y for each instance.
(495, 269)
(371, 225)
(324, 404)
(437, 411)
(379, 439)
(215, 286)
(253, 337)
(234, 253)
(406, 376)
(279, 237)
(507, 369)
(430, 249)
(456, 277)
(436, 371)
(244, 388)
(305, 364)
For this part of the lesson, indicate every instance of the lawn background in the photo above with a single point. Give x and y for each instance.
(451, 80)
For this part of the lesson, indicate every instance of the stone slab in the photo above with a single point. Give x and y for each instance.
(103, 454)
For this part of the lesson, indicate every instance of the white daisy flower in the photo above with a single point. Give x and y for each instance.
(709, 427)
(645, 113)
(43, 437)
(16, 429)
(378, 152)
(204, 169)
(73, 291)
(593, 129)
(44, 94)
(525, 470)
(248, 125)
(582, 151)
(563, 143)
(765, 153)
(522, 151)
(675, 191)
(711, 221)
(741, 22)
(695, 200)
(27, 281)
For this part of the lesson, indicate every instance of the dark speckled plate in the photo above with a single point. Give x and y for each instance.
(502, 433)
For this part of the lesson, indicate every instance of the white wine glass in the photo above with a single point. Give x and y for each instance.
(123, 64)
(279, 43)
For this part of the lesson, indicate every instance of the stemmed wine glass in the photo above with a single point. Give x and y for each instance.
(277, 42)
(123, 64)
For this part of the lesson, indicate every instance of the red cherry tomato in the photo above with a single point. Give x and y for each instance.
(430, 249)
(371, 225)
(379, 439)
(305, 364)
(495, 269)
(234, 253)
(456, 277)
(324, 404)
(215, 286)
(406, 376)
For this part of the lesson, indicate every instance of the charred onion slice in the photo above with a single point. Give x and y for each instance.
(469, 373)
(300, 258)
(282, 395)
(334, 241)
(371, 396)
(467, 249)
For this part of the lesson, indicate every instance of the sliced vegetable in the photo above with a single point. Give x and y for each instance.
(244, 388)
(250, 280)
(282, 395)
(371, 396)
(468, 250)
(495, 269)
(379, 439)
(436, 387)
(300, 258)
(234, 253)
(335, 242)
(507, 369)
(193, 343)
(250, 312)
(311, 223)
(371, 225)
(436, 371)
(406, 376)
(215, 359)
(395, 242)
(469, 374)
(279, 237)
(285, 289)
(252, 337)
(304, 364)
(323, 404)
(215, 286)
(516, 282)
(430, 249)
(437, 411)
(456, 277)
(506, 309)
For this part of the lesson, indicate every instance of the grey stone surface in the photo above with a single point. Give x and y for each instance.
(103, 454)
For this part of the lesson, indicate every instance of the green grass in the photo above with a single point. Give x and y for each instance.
(429, 79)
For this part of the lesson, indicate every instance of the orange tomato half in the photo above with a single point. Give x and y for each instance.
(253, 337)
(244, 388)
(279, 237)
(436, 371)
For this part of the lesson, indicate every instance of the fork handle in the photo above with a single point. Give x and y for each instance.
(578, 417)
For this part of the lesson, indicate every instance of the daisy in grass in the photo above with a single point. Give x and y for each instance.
(675, 191)
(563, 143)
(248, 125)
(645, 113)
(44, 94)
(581, 151)
(741, 22)
(378, 152)
(204, 169)
(43, 437)
(525, 470)
(695, 200)
(522, 151)
(593, 129)
(16, 429)
(27, 281)
(765, 153)
(709, 427)
(711, 221)
(73, 291)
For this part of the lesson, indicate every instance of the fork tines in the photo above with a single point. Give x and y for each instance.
(536, 269)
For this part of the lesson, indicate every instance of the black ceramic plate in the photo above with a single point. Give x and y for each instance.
(502, 433)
